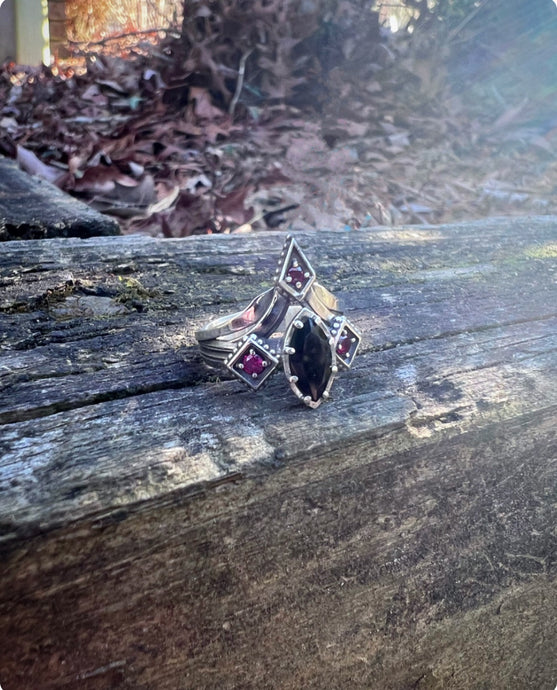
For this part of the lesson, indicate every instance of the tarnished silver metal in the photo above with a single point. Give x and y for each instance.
(296, 323)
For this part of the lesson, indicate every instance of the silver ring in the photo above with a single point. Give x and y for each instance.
(297, 323)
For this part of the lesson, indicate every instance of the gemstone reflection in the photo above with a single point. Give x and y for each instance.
(312, 361)
(253, 364)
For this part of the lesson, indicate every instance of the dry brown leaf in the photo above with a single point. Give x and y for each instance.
(203, 107)
(31, 164)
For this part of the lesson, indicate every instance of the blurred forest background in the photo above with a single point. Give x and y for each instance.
(232, 115)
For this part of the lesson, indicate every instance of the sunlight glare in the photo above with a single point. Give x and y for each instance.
(45, 33)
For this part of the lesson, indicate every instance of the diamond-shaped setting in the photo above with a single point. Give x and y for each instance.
(295, 272)
(252, 363)
(346, 340)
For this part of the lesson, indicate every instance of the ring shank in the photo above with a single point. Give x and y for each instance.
(263, 315)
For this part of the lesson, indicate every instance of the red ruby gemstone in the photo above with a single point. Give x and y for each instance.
(344, 344)
(253, 364)
(296, 274)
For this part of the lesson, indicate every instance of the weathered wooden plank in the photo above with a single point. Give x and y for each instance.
(182, 445)
(31, 208)
(163, 527)
(410, 566)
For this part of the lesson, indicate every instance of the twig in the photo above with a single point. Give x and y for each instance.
(239, 83)
(464, 187)
(465, 21)
(118, 37)
(416, 192)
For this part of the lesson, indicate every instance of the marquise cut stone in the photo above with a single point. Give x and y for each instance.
(312, 361)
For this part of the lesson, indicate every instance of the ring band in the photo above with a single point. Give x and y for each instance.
(323, 302)
(297, 323)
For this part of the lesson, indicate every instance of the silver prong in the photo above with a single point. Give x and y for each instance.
(293, 379)
(307, 274)
(254, 375)
(298, 285)
(325, 395)
(334, 331)
(288, 279)
(266, 346)
(265, 363)
(307, 399)
(298, 324)
(295, 263)
(240, 365)
(289, 351)
(334, 369)
(260, 341)
(273, 352)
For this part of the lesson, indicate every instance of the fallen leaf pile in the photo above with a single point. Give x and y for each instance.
(263, 114)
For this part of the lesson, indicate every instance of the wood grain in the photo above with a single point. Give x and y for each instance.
(163, 527)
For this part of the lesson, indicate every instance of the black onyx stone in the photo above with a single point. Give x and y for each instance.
(312, 361)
